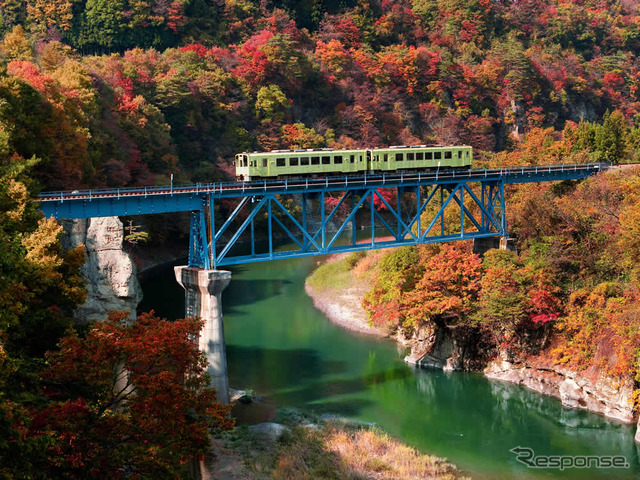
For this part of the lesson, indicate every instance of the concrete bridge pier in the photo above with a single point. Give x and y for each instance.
(483, 245)
(203, 295)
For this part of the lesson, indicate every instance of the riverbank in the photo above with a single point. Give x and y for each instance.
(295, 446)
(591, 389)
(338, 293)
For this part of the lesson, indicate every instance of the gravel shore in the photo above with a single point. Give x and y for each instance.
(344, 307)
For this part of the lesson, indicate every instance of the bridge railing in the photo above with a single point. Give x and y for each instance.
(378, 178)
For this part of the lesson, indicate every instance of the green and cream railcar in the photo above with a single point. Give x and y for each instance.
(420, 157)
(319, 162)
(325, 162)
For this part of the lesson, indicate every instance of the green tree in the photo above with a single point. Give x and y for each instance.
(272, 104)
(611, 138)
(102, 25)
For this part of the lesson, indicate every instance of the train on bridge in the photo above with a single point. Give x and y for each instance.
(328, 162)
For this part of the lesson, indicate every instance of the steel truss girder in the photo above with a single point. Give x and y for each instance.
(309, 225)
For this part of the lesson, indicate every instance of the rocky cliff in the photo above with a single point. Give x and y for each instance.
(591, 389)
(110, 273)
(438, 346)
(434, 346)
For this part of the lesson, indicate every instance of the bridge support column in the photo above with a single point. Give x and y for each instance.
(203, 295)
(483, 245)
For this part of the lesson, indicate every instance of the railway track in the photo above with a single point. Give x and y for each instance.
(291, 185)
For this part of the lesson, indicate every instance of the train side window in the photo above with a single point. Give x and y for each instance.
(304, 161)
(385, 157)
(410, 156)
(447, 154)
(293, 161)
(326, 160)
(428, 155)
(459, 153)
(360, 158)
(281, 162)
(352, 158)
(437, 155)
(315, 160)
(337, 159)
(419, 156)
(264, 163)
(399, 157)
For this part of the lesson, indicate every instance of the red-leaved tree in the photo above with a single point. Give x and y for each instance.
(129, 399)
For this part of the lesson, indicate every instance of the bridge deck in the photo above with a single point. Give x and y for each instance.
(165, 199)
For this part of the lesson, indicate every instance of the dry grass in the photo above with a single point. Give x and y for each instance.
(373, 454)
(334, 449)
(339, 451)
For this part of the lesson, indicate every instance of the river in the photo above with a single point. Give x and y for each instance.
(283, 349)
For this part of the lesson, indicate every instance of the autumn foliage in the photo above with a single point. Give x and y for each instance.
(97, 93)
(128, 398)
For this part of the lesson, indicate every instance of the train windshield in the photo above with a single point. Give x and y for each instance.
(242, 160)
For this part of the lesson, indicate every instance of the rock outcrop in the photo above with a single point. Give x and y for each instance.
(109, 271)
(437, 346)
(590, 389)
(434, 346)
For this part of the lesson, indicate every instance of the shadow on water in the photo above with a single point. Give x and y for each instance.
(303, 378)
(168, 298)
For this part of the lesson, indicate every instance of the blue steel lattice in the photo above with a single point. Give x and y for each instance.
(309, 225)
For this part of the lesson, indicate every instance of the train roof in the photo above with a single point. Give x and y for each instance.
(320, 150)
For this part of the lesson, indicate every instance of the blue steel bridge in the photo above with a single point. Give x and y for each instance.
(319, 216)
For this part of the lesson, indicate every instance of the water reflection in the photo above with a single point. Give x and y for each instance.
(285, 350)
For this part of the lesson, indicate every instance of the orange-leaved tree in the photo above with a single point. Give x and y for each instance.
(448, 287)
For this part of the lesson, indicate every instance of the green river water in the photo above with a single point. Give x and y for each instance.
(282, 348)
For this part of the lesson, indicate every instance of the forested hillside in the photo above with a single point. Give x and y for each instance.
(124, 93)
(127, 92)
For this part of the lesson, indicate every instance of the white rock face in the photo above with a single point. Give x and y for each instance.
(590, 389)
(110, 273)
